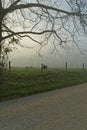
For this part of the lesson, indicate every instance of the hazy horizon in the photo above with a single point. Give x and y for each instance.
(23, 57)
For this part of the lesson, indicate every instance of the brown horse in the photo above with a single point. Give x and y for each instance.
(43, 67)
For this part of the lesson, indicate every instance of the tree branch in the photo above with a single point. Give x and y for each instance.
(28, 32)
(38, 5)
(35, 33)
(14, 3)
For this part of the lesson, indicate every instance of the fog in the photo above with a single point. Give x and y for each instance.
(27, 56)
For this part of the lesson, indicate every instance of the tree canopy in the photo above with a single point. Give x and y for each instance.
(40, 21)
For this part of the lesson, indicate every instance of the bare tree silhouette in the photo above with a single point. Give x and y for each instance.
(41, 21)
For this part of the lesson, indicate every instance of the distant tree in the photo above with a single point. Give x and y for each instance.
(40, 21)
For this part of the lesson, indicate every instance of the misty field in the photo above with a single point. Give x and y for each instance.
(21, 81)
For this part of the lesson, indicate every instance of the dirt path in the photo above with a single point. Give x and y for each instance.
(64, 109)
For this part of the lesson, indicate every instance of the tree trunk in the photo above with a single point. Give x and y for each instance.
(2, 15)
(1, 19)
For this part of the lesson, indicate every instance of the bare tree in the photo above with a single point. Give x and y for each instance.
(41, 21)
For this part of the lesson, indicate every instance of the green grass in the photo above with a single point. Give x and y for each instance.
(21, 82)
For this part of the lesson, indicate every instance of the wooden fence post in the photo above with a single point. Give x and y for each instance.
(9, 66)
(66, 66)
(83, 67)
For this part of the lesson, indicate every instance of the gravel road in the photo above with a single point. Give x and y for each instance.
(64, 109)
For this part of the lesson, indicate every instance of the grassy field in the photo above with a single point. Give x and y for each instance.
(21, 81)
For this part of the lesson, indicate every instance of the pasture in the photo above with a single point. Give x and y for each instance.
(21, 81)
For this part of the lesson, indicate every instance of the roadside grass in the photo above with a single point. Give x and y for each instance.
(21, 82)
